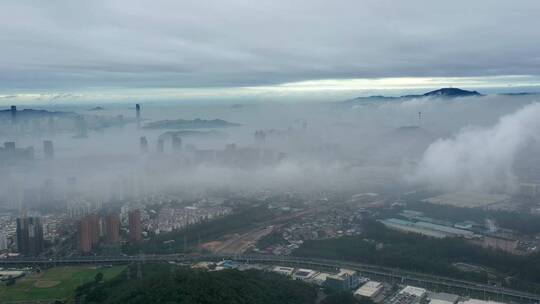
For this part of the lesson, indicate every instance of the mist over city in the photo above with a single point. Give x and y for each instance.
(458, 144)
(274, 152)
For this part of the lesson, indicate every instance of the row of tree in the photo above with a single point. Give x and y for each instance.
(162, 283)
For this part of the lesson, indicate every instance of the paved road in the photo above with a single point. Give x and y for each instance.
(393, 273)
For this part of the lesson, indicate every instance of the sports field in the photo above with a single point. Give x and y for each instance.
(53, 283)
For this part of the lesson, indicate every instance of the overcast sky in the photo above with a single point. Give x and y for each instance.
(123, 45)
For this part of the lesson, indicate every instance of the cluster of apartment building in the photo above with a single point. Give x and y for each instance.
(94, 229)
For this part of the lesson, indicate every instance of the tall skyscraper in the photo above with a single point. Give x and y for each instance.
(82, 126)
(84, 233)
(13, 114)
(112, 225)
(9, 147)
(260, 137)
(94, 228)
(144, 145)
(3, 242)
(135, 227)
(47, 193)
(29, 235)
(160, 146)
(138, 113)
(48, 149)
(176, 143)
(88, 232)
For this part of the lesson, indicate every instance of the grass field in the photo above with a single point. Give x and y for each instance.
(53, 283)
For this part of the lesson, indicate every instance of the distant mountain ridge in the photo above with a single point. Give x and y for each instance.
(445, 93)
(32, 113)
(451, 92)
(190, 124)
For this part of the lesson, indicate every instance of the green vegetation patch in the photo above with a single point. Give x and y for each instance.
(54, 283)
(273, 238)
(162, 283)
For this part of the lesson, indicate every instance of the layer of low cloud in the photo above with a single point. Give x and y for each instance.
(480, 158)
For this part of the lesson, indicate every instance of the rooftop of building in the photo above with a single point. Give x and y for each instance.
(415, 291)
(369, 289)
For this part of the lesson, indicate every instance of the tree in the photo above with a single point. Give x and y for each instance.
(10, 281)
(99, 277)
(340, 298)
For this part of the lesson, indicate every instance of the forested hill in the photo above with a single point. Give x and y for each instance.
(161, 284)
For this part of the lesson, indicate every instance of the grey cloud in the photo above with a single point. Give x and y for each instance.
(120, 43)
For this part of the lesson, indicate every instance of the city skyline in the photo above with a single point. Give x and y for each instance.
(305, 151)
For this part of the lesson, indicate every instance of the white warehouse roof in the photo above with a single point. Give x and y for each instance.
(476, 301)
(369, 290)
(415, 291)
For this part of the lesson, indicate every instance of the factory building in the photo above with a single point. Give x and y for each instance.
(476, 301)
(287, 271)
(408, 295)
(304, 274)
(346, 279)
(369, 290)
(443, 298)
(425, 228)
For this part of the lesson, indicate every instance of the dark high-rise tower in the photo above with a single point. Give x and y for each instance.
(9, 149)
(48, 149)
(135, 227)
(29, 235)
(138, 113)
(144, 145)
(260, 137)
(13, 111)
